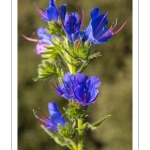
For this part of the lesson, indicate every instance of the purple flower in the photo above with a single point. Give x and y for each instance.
(52, 122)
(51, 13)
(97, 32)
(45, 40)
(80, 88)
(72, 24)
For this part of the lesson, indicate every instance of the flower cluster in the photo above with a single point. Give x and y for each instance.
(64, 44)
(95, 33)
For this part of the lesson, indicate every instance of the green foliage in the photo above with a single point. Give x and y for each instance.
(48, 69)
(96, 124)
(54, 28)
(58, 138)
(67, 131)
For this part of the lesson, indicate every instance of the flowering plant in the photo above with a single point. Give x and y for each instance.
(61, 43)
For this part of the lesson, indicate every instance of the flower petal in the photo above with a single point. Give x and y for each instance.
(62, 11)
(53, 108)
(95, 13)
(57, 119)
(95, 81)
(52, 13)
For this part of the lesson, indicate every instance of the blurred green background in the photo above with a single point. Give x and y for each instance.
(114, 68)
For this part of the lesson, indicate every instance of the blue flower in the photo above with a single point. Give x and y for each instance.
(52, 122)
(51, 13)
(80, 88)
(72, 24)
(97, 32)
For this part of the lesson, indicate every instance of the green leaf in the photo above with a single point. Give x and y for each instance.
(48, 69)
(58, 138)
(100, 122)
(94, 125)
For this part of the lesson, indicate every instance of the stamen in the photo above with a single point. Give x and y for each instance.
(40, 11)
(39, 119)
(73, 88)
(120, 28)
(81, 17)
(35, 114)
(108, 32)
(57, 88)
(114, 24)
(44, 114)
(29, 39)
(66, 87)
(53, 85)
(105, 34)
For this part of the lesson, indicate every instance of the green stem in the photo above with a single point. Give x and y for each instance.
(80, 132)
(73, 145)
(72, 69)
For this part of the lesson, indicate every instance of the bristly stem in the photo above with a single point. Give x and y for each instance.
(73, 145)
(80, 132)
(72, 69)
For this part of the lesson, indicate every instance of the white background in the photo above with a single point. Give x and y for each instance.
(141, 75)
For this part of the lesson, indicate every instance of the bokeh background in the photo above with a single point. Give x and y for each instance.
(114, 68)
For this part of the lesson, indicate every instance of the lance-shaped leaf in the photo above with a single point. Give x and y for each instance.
(96, 124)
(48, 69)
(58, 138)
(91, 57)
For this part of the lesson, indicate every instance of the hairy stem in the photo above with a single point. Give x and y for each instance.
(80, 132)
(73, 145)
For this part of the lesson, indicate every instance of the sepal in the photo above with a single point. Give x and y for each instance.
(67, 131)
(81, 54)
(54, 28)
(58, 138)
(91, 57)
(75, 111)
